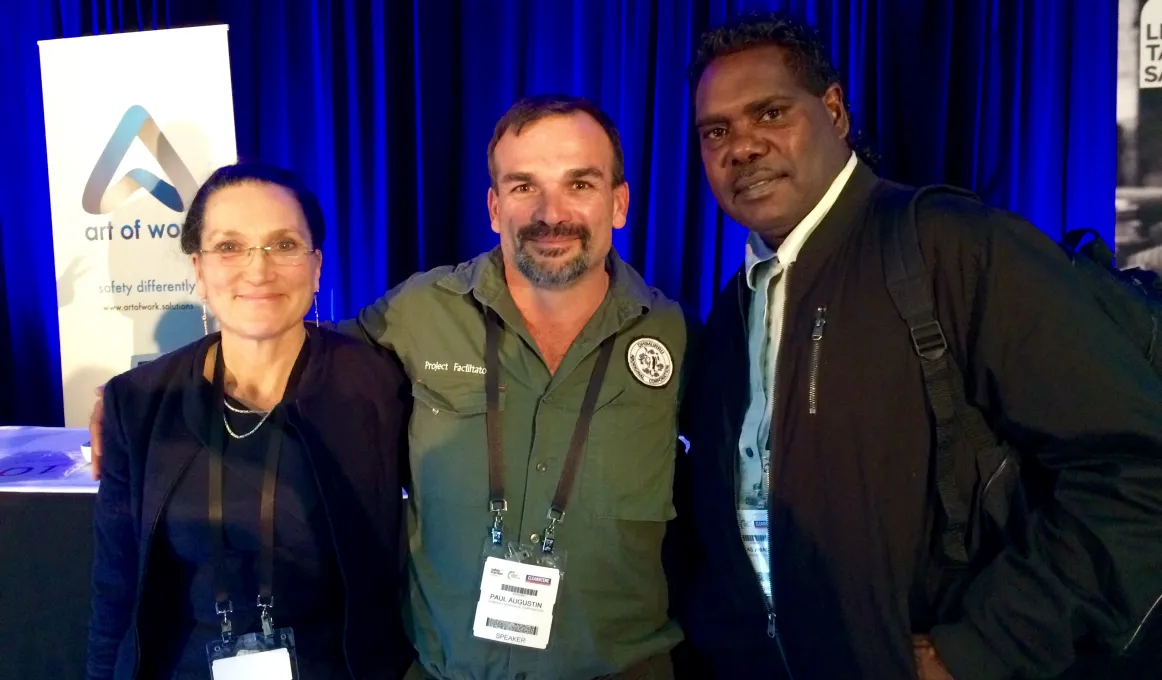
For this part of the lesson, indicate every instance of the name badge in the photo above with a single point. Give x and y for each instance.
(755, 536)
(516, 603)
(272, 665)
(255, 656)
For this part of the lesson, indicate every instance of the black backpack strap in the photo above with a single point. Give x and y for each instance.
(910, 286)
(1096, 249)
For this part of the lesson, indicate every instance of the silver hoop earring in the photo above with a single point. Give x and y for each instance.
(205, 325)
(316, 310)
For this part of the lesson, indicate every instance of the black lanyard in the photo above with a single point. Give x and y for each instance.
(496, 501)
(223, 606)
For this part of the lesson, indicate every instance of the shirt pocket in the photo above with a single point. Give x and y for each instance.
(630, 456)
(447, 441)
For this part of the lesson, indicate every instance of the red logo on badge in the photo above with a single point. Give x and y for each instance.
(538, 579)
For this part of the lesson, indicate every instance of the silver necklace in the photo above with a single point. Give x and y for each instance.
(241, 410)
(265, 415)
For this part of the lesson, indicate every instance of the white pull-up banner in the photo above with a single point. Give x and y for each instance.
(134, 122)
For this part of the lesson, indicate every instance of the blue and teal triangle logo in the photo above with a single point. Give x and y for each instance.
(103, 195)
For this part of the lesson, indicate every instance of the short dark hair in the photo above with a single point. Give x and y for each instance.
(804, 52)
(803, 48)
(251, 173)
(531, 109)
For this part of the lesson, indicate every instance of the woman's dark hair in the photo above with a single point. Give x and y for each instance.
(251, 173)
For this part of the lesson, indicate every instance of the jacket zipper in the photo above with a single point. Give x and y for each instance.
(772, 629)
(772, 626)
(1142, 624)
(769, 603)
(994, 476)
(816, 352)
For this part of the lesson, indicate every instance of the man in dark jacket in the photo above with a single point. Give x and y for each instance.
(810, 426)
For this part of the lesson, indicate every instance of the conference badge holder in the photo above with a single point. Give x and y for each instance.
(520, 582)
(518, 589)
(254, 656)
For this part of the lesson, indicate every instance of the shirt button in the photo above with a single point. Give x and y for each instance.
(535, 539)
(541, 467)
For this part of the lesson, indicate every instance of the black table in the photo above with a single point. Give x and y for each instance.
(46, 547)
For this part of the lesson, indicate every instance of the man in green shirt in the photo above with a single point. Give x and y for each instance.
(559, 292)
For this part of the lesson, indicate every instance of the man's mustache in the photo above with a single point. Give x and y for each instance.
(539, 230)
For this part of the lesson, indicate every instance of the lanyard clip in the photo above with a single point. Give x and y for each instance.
(497, 508)
(224, 609)
(267, 619)
(555, 517)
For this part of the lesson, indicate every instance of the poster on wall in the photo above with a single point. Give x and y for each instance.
(1138, 198)
(134, 123)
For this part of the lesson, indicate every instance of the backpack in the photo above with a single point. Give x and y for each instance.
(976, 528)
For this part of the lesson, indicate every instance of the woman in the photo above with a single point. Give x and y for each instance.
(270, 432)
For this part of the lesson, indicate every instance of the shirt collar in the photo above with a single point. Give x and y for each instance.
(759, 253)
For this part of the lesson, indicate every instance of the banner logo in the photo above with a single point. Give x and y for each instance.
(103, 196)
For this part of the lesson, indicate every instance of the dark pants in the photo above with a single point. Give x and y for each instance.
(654, 668)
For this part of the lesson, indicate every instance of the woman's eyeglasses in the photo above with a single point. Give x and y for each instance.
(284, 252)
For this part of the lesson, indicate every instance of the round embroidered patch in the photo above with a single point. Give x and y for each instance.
(650, 362)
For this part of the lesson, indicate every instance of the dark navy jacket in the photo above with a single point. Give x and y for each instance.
(350, 417)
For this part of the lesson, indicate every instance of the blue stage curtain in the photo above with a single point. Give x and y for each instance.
(386, 109)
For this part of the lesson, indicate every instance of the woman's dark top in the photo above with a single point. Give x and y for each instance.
(307, 590)
(338, 558)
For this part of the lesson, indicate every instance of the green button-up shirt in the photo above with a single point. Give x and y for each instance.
(611, 607)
